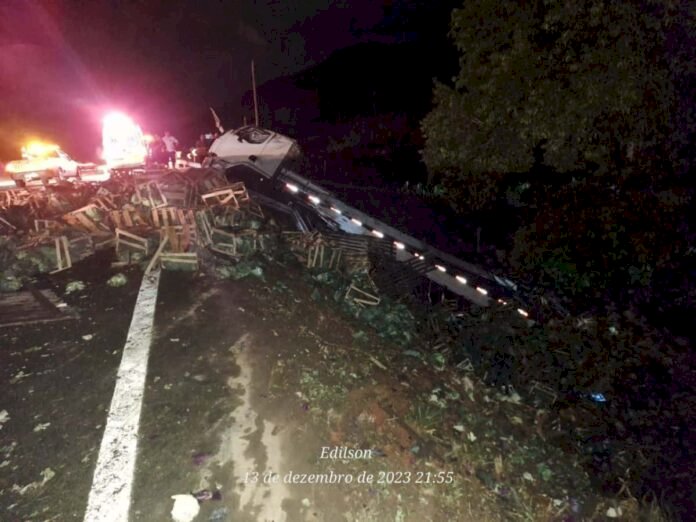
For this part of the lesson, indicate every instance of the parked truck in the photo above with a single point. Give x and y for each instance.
(42, 161)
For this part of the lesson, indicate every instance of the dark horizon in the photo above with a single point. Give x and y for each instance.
(59, 73)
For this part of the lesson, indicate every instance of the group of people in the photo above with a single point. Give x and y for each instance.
(162, 150)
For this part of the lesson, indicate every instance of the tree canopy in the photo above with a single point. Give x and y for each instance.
(591, 82)
(599, 94)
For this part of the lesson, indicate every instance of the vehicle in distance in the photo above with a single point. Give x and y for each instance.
(42, 161)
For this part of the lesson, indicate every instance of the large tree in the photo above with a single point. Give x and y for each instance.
(587, 83)
(602, 90)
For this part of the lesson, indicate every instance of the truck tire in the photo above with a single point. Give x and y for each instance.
(20, 183)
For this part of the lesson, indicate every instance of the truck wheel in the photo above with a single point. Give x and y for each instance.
(20, 183)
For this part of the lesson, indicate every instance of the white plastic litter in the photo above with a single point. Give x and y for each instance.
(185, 508)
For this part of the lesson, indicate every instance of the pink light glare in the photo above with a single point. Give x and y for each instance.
(118, 123)
(123, 142)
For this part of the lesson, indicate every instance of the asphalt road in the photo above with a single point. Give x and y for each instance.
(200, 427)
(245, 380)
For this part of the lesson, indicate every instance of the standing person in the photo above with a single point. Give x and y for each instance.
(170, 143)
(201, 148)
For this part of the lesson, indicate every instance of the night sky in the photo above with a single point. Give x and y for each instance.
(63, 63)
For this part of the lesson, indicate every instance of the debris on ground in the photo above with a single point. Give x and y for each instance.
(46, 475)
(41, 427)
(464, 415)
(206, 494)
(161, 222)
(4, 417)
(117, 280)
(74, 286)
(239, 270)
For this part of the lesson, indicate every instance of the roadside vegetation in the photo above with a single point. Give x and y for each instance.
(577, 120)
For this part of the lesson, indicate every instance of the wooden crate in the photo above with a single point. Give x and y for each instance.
(204, 222)
(80, 247)
(212, 181)
(102, 240)
(46, 225)
(127, 219)
(220, 197)
(232, 243)
(234, 195)
(169, 216)
(150, 195)
(63, 259)
(131, 241)
(105, 203)
(179, 191)
(180, 238)
(182, 261)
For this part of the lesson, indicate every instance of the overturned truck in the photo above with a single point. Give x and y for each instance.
(171, 218)
(271, 159)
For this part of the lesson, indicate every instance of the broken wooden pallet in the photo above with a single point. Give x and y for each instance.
(361, 297)
(31, 307)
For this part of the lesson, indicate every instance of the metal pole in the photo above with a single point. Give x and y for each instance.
(253, 88)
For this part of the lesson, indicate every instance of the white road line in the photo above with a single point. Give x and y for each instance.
(110, 496)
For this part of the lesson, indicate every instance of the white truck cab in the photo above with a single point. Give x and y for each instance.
(261, 149)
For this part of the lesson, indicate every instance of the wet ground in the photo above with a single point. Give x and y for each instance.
(248, 381)
(221, 409)
(56, 382)
(249, 385)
